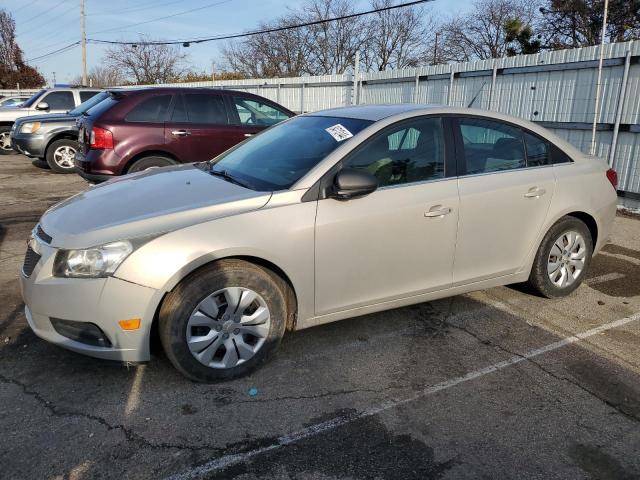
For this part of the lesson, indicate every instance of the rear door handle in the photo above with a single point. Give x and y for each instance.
(248, 134)
(535, 192)
(180, 133)
(437, 211)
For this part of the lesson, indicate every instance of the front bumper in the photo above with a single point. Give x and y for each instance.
(101, 301)
(28, 144)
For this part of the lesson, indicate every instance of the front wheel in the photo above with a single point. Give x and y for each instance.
(223, 321)
(60, 155)
(562, 259)
(5, 141)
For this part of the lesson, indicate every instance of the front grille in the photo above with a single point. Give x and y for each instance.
(44, 236)
(31, 259)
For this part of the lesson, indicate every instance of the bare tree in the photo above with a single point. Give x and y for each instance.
(102, 76)
(481, 33)
(399, 38)
(147, 63)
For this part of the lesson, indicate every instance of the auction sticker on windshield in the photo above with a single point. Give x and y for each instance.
(339, 133)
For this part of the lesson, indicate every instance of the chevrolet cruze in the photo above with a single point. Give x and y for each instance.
(325, 216)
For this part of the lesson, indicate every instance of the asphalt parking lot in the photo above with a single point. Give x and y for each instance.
(493, 384)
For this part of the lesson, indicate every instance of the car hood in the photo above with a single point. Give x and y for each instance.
(52, 117)
(152, 202)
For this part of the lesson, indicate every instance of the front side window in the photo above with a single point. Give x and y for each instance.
(280, 156)
(491, 146)
(152, 110)
(253, 112)
(59, 100)
(205, 108)
(410, 152)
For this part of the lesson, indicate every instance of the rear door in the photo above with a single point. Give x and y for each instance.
(199, 126)
(254, 115)
(506, 184)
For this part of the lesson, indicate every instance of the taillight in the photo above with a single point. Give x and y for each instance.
(101, 138)
(612, 176)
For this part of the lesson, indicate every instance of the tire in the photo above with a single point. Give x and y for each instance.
(194, 317)
(60, 155)
(547, 272)
(150, 161)
(5, 141)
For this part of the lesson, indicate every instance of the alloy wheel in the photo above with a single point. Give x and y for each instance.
(64, 156)
(228, 327)
(566, 259)
(5, 141)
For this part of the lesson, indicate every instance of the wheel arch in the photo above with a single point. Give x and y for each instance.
(276, 271)
(589, 221)
(149, 153)
(63, 135)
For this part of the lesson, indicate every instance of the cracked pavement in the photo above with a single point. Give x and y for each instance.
(571, 413)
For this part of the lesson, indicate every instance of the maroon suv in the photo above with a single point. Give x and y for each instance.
(133, 130)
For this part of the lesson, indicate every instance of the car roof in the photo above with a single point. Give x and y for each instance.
(373, 112)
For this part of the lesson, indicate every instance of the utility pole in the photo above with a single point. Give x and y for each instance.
(54, 78)
(83, 41)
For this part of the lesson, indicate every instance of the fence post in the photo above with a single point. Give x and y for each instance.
(450, 93)
(354, 101)
(415, 93)
(596, 114)
(493, 82)
(278, 94)
(302, 98)
(623, 92)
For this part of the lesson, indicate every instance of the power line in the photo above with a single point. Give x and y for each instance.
(25, 6)
(257, 32)
(60, 50)
(144, 6)
(164, 17)
(42, 25)
(45, 11)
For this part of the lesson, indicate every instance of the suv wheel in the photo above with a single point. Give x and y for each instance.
(223, 321)
(60, 155)
(5, 141)
(562, 259)
(149, 162)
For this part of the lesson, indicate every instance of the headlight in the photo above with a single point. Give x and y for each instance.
(30, 127)
(93, 262)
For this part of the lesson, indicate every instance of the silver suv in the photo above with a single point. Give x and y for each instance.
(322, 217)
(47, 100)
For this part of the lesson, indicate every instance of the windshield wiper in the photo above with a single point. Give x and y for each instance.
(224, 174)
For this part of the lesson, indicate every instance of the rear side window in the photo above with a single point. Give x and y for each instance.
(491, 146)
(151, 110)
(60, 100)
(86, 95)
(205, 108)
(537, 151)
(253, 112)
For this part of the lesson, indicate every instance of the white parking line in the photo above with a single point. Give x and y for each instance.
(313, 430)
(604, 278)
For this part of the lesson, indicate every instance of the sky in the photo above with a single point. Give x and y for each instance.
(43, 26)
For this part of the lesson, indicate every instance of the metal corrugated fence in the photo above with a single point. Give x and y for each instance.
(556, 89)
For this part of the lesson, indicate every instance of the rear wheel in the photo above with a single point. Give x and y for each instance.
(5, 140)
(151, 161)
(60, 155)
(223, 321)
(562, 259)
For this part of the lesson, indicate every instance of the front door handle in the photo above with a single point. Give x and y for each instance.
(437, 211)
(180, 133)
(535, 192)
(248, 134)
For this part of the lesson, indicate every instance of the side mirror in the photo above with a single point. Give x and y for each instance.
(42, 106)
(350, 183)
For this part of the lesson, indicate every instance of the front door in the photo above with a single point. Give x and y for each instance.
(506, 186)
(398, 241)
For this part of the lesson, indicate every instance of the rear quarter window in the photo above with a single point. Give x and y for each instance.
(151, 110)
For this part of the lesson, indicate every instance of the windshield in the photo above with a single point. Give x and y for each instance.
(86, 105)
(283, 154)
(33, 99)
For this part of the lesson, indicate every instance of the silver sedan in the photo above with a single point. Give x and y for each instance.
(326, 216)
